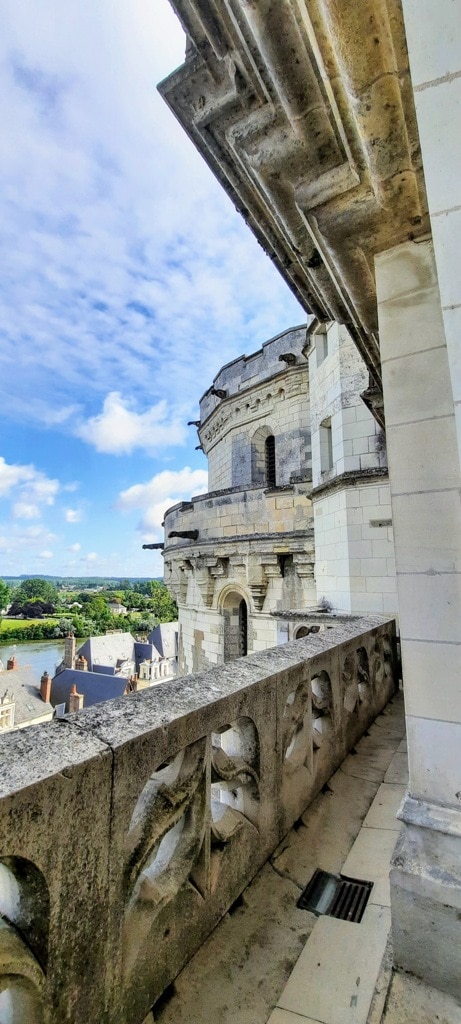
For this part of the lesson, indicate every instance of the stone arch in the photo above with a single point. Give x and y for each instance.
(322, 708)
(20, 1000)
(25, 904)
(263, 460)
(234, 605)
(302, 631)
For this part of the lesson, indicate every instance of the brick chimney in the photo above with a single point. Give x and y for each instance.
(75, 699)
(12, 662)
(81, 663)
(45, 687)
(69, 652)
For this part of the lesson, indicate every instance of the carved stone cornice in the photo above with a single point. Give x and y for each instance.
(258, 593)
(304, 565)
(304, 111)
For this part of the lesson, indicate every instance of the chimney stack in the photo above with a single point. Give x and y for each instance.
(11, 663)
(75, 699)
(45, 687)
(81, 663)
(69, 652)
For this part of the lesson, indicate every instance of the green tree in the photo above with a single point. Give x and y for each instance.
(161, 603)
(4, 594)
(36, 588)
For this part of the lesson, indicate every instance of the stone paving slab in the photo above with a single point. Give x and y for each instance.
(410, 1001)
(398, 769)
(370, 859)
(382, 813)
(285, 1017)
(335, 976)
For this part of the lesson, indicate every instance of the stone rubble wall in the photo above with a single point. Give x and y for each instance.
(128, 830)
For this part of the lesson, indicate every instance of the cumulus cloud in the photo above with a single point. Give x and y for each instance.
(114, 278)
(74, 547)
(156, 495)
(119, 429)
(73, 515)
(46, 554)
(32, 486)
(25, 510)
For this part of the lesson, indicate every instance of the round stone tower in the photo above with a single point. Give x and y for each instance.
(244, 552)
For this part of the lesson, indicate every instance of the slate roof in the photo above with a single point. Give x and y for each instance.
(164, 639)
(108, 650)
(95, 686)
(28, 702)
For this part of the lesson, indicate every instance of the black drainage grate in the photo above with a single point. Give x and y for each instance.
(335, 896)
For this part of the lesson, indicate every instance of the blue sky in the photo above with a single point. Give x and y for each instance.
(127, 280)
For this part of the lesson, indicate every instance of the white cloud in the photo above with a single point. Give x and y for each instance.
(164, 489)
(46, 554)
(91, 557)
(73, 515)
(118, 281)
(25, 510)
(74, 547)
(118, 429)
(30, 485)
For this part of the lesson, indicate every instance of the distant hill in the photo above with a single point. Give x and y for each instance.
(79, 581)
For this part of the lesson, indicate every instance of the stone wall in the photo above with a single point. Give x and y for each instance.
(354, 546)
(254, 543)
(264, 396)
(126, 832)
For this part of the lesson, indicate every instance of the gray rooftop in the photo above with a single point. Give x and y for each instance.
(28, 702)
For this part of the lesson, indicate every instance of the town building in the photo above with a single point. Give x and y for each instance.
(22, 702)
(109, 666)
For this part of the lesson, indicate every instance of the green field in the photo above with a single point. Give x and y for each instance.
(9, 625)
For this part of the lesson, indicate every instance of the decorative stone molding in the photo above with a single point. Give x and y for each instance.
(258, 593)
(304, 565)
(307, 119)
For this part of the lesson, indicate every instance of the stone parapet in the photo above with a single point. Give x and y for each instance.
(128, 831)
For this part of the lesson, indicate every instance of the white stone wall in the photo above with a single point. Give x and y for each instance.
(354, 549)
(335, 387)
(434, 46)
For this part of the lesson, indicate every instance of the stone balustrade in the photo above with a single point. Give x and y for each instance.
(128, 830)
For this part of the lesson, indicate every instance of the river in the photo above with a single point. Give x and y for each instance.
(40, 654)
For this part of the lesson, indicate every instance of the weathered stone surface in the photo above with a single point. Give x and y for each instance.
(305, 114)
(128, 830)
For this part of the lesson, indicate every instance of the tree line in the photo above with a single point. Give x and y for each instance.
(82, 613)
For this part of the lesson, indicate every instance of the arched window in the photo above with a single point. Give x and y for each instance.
(270, 460)
(263, 472)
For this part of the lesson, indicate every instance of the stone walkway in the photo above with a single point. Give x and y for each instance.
(254, 959)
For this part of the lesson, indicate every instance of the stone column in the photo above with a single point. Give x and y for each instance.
(425, 482)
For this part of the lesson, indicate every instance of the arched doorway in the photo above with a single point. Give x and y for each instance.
(235, 612)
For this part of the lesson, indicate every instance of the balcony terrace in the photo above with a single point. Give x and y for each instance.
(130, 830)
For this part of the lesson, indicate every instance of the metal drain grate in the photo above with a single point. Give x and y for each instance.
(335, 896)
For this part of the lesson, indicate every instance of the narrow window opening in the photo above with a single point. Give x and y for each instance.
(326, 446)
(270, 460)
(321, 347)
(243, 628)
